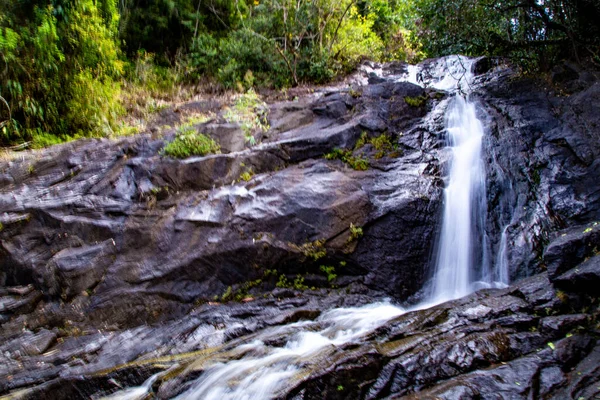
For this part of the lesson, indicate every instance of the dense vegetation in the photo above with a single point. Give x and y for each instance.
(534, 33)
(65, 61)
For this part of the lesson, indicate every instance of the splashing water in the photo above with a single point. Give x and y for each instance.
(265, 369)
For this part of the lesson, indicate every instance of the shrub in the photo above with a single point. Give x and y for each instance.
(356, 41)
(61, 70)
(355, 162)
(189, 142)
(418, 101)
(250, 112)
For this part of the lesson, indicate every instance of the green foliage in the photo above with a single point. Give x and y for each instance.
(362, 140)
(93, 105)
(298, 283)
(534, 34)
(247, 175)
(227, 295)
(189, 142)
(63, 61)
(357, 41)
(355, 162)
(383, 145)
(250, 112)
(61, 69)
(285, 42)
(356, 232)
(418, 101)
(157, 81)
(329, 271)
(161, 27)
(315, 250)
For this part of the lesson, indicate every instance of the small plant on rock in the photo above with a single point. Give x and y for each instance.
(418, 101)
(355, 162)
(314, 250)
(383, 145)
(329, 271)
(250, 112)
(356, 232)
(247, 175)
(189, 142)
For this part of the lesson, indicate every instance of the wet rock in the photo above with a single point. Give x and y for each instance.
(583, 380)
(230, 137)
(571, 350)
(19, 304)
(73, 270)
(38, 343)
(564, 72)
(570, 249)
(285, 117)
(485, 64)
(563, 324)
(583, 278)
(543, 163)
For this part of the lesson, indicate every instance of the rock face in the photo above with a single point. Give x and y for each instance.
(544, 163)
(118, 263)
(148, 236)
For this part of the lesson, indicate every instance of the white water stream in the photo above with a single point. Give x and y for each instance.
(460, 232)
(263, 370)
(462, 264)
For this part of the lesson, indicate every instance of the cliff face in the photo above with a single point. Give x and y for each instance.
(113, 254)
(134, 237)
(543, 169)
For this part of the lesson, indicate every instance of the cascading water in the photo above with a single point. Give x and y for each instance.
(262, 367)
(462, 233)
(266, 369)
(462, 262)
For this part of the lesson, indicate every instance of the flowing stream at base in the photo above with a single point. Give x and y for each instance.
(265, 367)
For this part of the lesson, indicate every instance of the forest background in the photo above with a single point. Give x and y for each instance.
(75, 68)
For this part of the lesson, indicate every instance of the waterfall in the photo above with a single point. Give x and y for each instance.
(462, 242)
(462, 263)
(501, 275)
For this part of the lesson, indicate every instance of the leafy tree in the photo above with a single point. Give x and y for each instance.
(61, 65)
(162, 27)
(534, 32)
